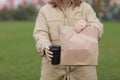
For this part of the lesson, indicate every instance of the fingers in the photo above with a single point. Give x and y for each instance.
(77, 29)
(49, 57)
(47, 48)
(48, 53)
(80, 26)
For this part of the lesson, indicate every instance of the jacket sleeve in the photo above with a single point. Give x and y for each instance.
(93, 21)
(41, 33)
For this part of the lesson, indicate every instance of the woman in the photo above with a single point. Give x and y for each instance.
(67, 13)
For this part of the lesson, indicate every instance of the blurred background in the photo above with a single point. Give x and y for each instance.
(18, 57)
(26, 9)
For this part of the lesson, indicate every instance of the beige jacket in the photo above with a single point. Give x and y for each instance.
(46, 30)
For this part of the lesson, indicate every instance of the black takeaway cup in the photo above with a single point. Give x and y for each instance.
(56, 49)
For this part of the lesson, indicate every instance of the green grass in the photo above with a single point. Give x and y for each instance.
(109, 65)
(19, 59)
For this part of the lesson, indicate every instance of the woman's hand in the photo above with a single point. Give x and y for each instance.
(80, 26)
(48, 53)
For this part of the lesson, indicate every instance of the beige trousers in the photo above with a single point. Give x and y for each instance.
(58, 72)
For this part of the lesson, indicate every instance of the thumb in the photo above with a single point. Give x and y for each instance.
(47, 48)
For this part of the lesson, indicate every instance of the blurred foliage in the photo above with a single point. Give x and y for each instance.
(26, 13)
(6, 14)
(103, 8)
(106, 10)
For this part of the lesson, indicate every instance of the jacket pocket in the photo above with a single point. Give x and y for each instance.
(54, 29)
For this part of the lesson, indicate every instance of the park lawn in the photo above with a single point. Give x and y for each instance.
(20, 61)
(109, 59)
(18, 56)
